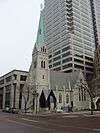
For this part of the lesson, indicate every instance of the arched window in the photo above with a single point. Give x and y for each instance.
(60, 98)
(79, 94)
(41, 64)
(44, 64)
(84, 95)
(67, 98)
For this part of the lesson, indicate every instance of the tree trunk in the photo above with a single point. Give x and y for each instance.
(92, 106)
(25, 108)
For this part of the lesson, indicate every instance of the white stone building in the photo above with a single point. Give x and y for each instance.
(53, 89)
(10, 88)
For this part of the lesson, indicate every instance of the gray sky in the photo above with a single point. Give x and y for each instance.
(18, 29)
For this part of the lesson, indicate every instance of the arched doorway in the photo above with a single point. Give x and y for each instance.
(42, 100)
(51, 100)
(98, 104)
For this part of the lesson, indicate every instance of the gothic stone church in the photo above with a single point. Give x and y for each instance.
(53, 89)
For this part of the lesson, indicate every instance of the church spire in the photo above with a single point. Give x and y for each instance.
(40, 33)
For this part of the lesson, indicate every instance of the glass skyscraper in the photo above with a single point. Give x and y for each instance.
(96, 19)
(69, 35)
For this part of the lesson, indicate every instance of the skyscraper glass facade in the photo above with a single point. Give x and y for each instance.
(69, 35)
(96, 4)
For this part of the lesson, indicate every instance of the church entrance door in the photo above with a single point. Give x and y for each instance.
(42, 100)
(51, 100)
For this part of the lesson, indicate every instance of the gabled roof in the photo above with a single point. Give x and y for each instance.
(61, 79)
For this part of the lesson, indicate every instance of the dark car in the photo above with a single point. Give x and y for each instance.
(10, 110)
(6, 109)
(13, 110)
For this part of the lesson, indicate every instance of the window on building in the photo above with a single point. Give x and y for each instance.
(57, 69)
(41, 64)
(44, 64)
(8, 88)
(60, 98)
(1, 90)
(50, 66)
(1, 82)
(7, 99)
(43, 76)
(15, 76)
(23, 77)
(50, 56)
(8, 79)
(20, 95)
(79, 94)
(84, 95)
(67, 98)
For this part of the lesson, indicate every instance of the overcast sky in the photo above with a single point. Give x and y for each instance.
(18, 30)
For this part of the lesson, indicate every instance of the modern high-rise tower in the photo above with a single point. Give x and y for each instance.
(95, 5)
(69, 35)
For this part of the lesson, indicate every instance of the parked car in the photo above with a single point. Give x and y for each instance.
(13, 110)
(6, 109)
(10, 110)
(59, 111)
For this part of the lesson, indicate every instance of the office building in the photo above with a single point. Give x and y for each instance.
(97, 60)
(95, 6)
(10, 88)
(69, 35)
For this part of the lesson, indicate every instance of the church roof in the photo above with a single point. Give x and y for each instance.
(61, 79)
(40, 33)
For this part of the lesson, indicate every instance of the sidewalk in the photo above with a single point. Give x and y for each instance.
(48, 113)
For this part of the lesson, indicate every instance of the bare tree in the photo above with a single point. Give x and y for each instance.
(35, 94)
(90, 89)
(25, 92)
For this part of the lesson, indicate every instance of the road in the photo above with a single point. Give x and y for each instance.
(49, 123)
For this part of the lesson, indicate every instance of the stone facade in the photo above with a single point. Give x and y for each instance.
(10, 85)
(55, 89)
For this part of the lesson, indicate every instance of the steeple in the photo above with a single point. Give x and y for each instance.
(40, 33)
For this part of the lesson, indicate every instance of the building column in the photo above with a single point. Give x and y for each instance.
(11, 96)
(17, 96)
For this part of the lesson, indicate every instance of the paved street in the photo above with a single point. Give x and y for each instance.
(50, 123)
